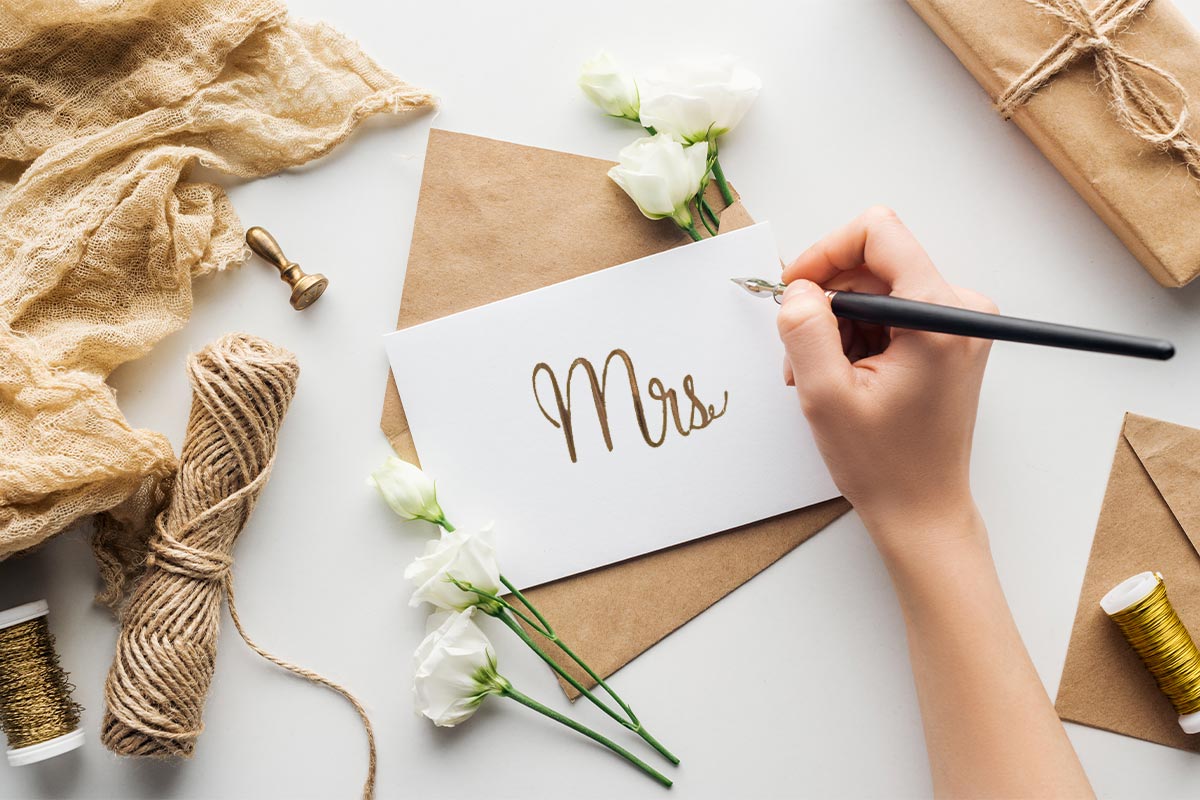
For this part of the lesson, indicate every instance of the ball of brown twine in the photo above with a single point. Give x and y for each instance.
(166, 652)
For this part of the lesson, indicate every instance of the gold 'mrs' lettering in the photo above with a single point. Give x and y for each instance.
(698, 413)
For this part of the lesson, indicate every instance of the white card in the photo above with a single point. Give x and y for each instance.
(479, 394)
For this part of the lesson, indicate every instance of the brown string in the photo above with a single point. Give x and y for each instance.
(1139, 110)
(166, 652)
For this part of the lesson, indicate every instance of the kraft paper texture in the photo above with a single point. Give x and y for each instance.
(1146, 197)
(495, 219)
(1150, 520)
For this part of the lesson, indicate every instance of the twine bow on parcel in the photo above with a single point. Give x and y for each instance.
(1136, 106)
(167, 648)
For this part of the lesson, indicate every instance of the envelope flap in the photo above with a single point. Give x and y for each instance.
(1171, 456)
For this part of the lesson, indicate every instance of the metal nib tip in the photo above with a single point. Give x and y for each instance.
(757, 286)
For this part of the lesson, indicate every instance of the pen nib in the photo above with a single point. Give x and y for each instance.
(757, 286)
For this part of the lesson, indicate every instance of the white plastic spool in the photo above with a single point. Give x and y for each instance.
(1128, 593)
(50, 748)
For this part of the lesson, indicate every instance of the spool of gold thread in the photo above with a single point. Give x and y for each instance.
(1142, 611)
(37, 713)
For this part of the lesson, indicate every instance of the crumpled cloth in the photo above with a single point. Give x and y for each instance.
(104, 109)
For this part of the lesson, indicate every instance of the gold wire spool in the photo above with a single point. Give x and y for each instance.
(37, 714)
(1142, 611)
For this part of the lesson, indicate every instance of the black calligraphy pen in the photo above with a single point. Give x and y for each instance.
(896, 312)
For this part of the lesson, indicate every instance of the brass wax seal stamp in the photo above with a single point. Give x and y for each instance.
(305, 288)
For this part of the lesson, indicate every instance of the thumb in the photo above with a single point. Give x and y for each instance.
(810, 336)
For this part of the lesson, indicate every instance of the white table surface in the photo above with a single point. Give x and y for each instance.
(798, 684)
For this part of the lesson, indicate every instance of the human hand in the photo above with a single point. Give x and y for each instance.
(892, 411)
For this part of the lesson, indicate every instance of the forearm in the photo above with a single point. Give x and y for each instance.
(893, 412)
(990, 728)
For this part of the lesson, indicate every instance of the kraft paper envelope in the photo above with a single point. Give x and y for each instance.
(496, 219)
(1149, 521)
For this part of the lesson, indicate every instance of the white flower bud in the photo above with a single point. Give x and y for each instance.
(611, 88)
(409, 491)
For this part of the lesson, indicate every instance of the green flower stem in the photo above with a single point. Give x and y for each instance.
(705, 208)
(704, 217)
(554, 665)
(498, 607)
(650, 130)
(586, 731)
(522, 615)
(517, 594)
(722, 184)
(692, 232)
(548, 632)
(636, 725)
(445, 523)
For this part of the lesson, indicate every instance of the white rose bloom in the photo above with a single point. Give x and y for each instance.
(455, 669)
(611, 88)
(698, 100)
(409, 491)
(466, 557)
(662, 176)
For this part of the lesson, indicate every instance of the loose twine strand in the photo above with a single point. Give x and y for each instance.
(1136, 106)
(1158, 636)
(35, 694)
(166, 652)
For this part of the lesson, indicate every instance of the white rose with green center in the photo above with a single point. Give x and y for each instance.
(662, 176)
(455, 669)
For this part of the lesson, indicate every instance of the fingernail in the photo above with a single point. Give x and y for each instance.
(797, 286)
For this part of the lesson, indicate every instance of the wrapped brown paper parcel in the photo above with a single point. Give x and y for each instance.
(1146, 196)
(496, 219)
(1150, 520)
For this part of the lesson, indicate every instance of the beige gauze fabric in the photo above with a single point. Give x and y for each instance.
(104, 109)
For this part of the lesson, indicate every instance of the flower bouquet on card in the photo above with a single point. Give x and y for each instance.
(455, 665)
(685, 107)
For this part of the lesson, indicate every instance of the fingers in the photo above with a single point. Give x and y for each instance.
(879, 242)
(813, 343)
(874, 253)
(857, 280)
(969, 298)
(921, 347)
